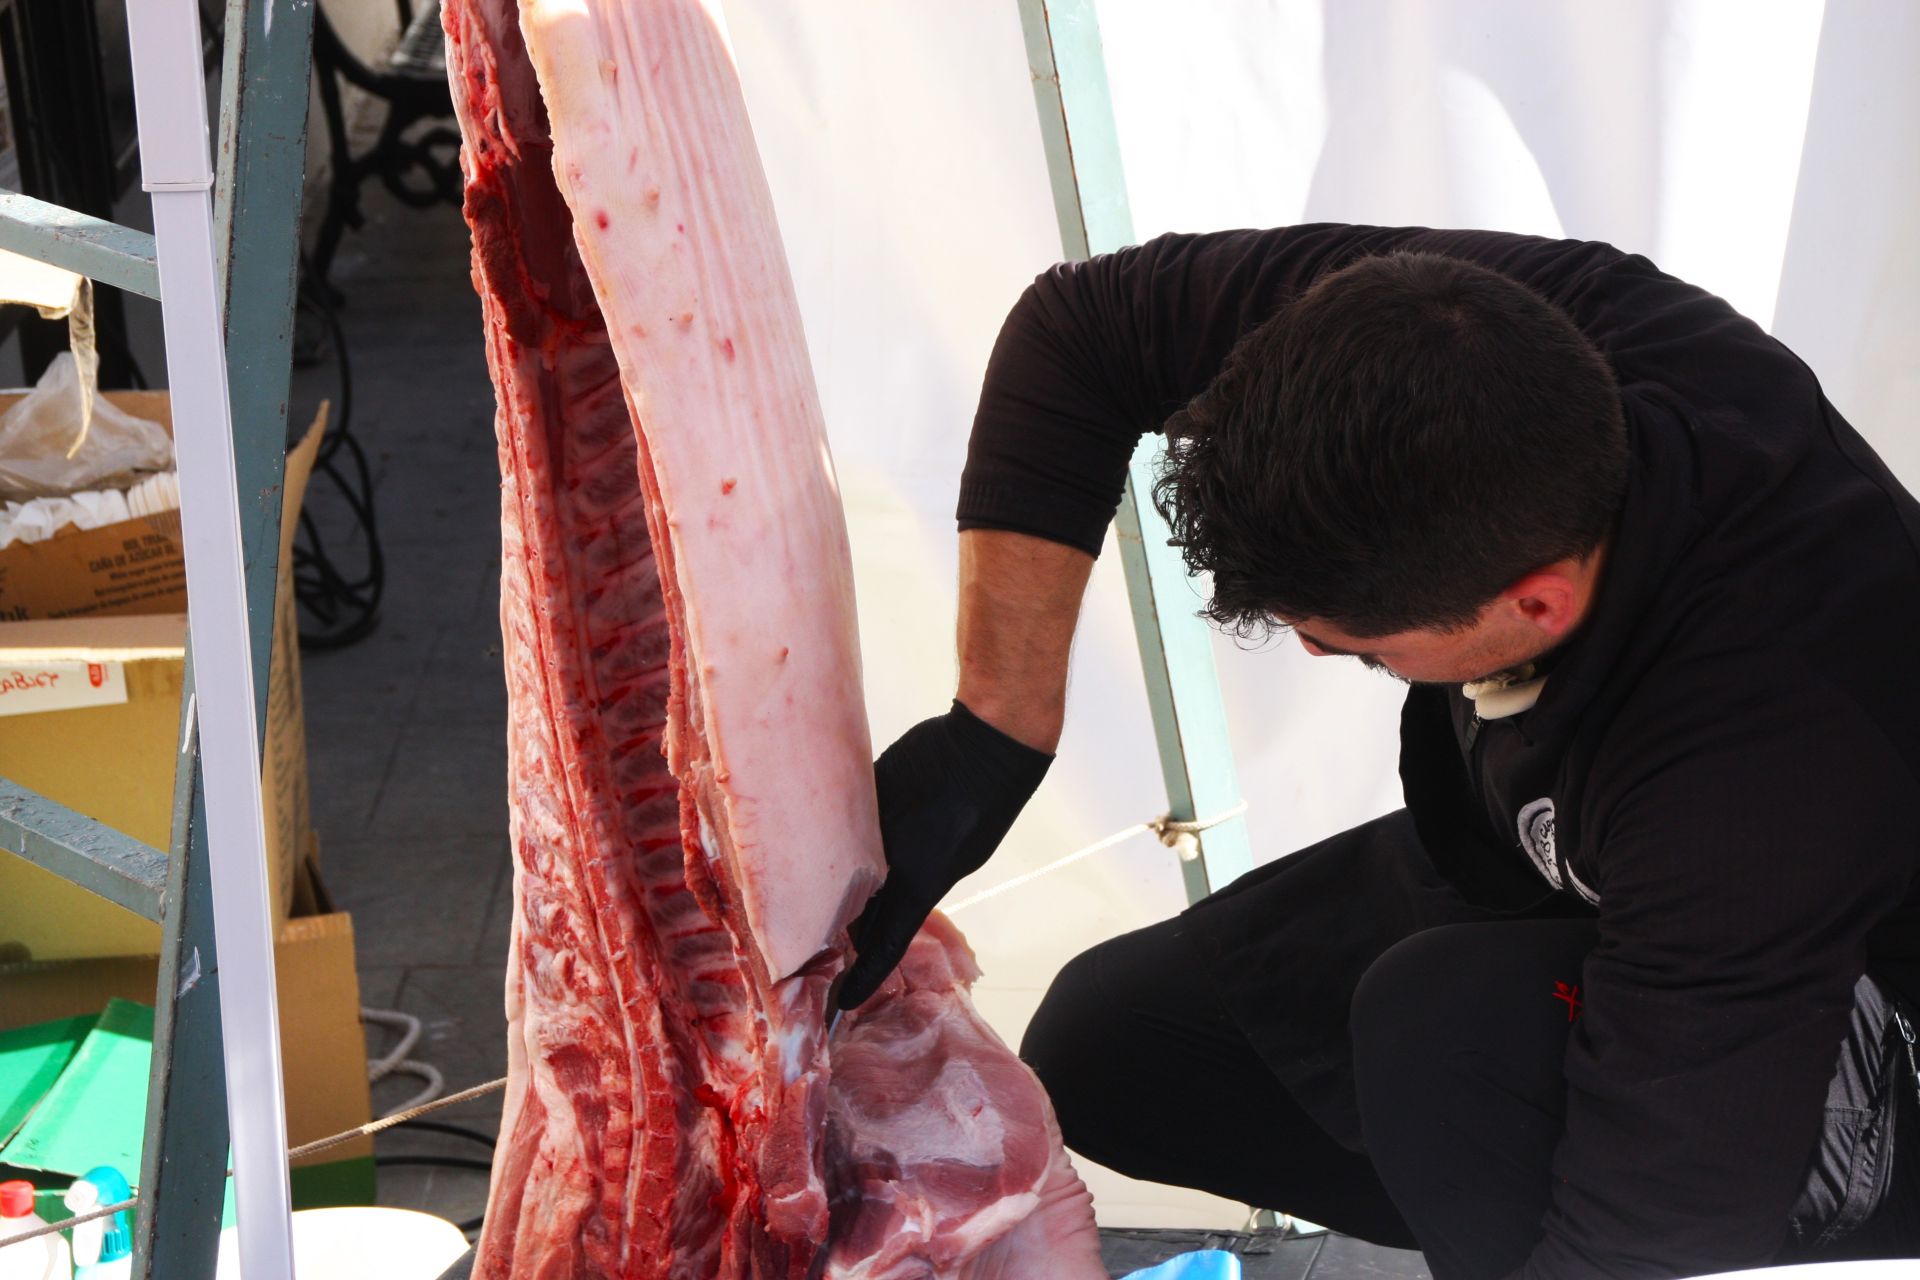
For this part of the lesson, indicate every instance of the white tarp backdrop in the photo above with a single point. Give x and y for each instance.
(1768, 150)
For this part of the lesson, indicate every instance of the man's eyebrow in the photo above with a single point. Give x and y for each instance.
(1323, 646)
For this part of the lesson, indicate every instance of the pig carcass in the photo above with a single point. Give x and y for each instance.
(693, 821)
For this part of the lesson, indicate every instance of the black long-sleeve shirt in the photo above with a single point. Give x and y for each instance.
(1727, 755)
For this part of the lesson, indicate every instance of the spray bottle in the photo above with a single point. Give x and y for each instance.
(45, 1258)
(103, 1248)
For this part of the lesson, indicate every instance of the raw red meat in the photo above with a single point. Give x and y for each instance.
(943, 1157)
(690, 777)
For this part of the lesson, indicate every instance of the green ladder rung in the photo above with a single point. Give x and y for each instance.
(77, 848)
(93, 247)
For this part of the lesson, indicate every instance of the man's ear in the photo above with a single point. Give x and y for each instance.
(1548, 599)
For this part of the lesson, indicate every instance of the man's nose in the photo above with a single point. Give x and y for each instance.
(1311, 647)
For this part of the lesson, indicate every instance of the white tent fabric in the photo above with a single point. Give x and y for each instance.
(1767, 150)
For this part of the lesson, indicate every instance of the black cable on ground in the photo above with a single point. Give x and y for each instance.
(452, 1130)
(338, 606)
(435, 1162)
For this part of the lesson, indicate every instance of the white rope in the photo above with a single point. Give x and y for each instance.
(998, 889)
(395, 1060)
(1180, 835)
(433, 1084)
(409, 1028)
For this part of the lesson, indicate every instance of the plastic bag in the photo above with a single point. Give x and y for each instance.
(1202, 1264)
(48, 449)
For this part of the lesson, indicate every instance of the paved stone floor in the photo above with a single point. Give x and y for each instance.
(407, 729)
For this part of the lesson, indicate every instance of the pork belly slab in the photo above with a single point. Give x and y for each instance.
(690, 777)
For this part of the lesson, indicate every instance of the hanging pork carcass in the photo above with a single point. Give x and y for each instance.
(690, 771)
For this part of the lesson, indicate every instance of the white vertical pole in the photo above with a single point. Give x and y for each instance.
(170, 102)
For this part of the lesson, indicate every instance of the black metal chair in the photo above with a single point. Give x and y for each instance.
(420, 166)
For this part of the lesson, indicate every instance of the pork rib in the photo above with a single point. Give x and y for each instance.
(693, 821)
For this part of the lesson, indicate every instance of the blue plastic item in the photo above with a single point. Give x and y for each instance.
(116, 1240)
(1202, 1264)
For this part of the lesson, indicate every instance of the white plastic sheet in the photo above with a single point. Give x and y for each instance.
(50, 446)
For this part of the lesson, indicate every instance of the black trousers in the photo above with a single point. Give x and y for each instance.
(1453, 1041)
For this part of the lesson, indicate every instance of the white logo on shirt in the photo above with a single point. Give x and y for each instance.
(1536, 837)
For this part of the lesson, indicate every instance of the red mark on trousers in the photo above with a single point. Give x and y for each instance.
(726, 348)
(1571, 994)
(726, 486)
(600, 219)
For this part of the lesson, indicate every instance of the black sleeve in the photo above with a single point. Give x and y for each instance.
(1740, 871)
(1096, 353)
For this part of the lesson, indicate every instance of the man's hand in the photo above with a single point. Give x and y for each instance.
(949, 789)
(951, 786)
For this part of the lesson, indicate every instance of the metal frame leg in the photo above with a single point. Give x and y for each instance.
(260, 177)
(1176, 648)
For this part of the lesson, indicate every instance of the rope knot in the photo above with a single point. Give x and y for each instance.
(1183, 835)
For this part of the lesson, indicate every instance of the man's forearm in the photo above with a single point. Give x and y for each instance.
(1019, 602)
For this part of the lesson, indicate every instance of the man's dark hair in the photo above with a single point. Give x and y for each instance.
(1394, 448)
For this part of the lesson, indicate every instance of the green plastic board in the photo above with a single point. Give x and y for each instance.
(340, 1182)
(96, 1111)
(31, 1059)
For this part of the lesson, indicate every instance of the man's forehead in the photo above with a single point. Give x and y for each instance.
(1325, 646)
(1332, 637)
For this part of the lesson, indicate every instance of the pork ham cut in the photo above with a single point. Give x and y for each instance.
(691, 788)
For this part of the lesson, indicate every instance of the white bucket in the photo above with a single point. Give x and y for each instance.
(357, 1243)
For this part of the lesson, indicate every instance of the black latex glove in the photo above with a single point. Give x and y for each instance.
(949, 789)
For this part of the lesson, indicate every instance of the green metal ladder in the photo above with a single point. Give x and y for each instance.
(256, 198)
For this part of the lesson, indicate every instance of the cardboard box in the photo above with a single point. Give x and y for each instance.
(133, 566)
(109, 750)
(322, 1047)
